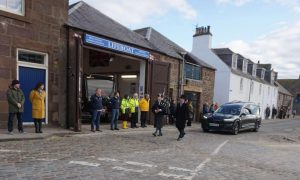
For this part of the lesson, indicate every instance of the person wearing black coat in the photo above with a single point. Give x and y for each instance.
(181, 115)
(159, 111)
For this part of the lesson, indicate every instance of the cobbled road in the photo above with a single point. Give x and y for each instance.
(272, 153)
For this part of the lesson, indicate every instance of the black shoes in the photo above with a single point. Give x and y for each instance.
(154, 134)
(117, 129)
(160, 134)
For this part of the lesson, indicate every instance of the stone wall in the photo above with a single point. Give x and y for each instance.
(41, 29)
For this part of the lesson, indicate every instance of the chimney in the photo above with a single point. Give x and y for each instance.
(202, 38)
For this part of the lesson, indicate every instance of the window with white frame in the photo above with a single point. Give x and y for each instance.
(241, 84)
(245, 65)
(254, 67)
(32, 57)
(13, 6)
(234, 61)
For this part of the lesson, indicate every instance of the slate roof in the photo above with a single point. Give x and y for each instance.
(282, 90)
(170, 48)
(222, 52)
(292, 85)
(85, 17)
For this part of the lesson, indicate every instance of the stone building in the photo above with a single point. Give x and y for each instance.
(293, 86)
(31, 50)
(198, 77)
(102, 50)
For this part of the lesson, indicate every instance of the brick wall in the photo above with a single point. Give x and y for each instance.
(208, 78)
(40, 30)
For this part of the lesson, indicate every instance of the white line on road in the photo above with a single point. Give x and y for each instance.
(84, 163)
(8, 150)
(128, 170)
(180, 169)
(44, 159)
(107, 159)
(140, 164)
(173, 176)
(217, 150)
(207, 160)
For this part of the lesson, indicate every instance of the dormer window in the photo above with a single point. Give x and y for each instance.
(13, 6)
(254, 67)
(245, 65)
(234, 61)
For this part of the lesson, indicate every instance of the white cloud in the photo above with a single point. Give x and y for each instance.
(234, 2)
(280, 48)
(132, 12)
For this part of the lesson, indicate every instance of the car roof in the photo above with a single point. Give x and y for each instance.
(241, 103)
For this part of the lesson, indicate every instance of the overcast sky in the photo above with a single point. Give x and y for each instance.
(265, 30)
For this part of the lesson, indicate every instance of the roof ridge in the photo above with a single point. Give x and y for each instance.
(75, 6)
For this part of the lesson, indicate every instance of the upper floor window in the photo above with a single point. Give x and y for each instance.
(234, 61)
(241, 84)
(192, 71)
(13, 6)
(245, 65)
(254, 70)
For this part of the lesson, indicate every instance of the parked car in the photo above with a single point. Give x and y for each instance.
(233, 117)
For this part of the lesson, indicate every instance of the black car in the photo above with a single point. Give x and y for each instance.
(233, 117)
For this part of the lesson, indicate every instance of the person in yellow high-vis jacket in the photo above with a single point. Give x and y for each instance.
(134, 108)
(144, 107)
(125, 110)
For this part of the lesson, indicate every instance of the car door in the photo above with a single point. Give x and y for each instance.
(245, 118)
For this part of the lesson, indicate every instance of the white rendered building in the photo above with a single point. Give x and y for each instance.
(237, 78)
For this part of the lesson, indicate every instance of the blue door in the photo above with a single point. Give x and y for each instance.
(29, 77)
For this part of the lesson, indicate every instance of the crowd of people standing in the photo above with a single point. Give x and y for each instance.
(127, 110)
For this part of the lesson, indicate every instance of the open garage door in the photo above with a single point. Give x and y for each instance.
(159, 81)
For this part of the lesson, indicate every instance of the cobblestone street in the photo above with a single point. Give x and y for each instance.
(272, 153)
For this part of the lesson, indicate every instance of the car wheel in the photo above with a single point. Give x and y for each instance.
(256, 127)
(235, 128)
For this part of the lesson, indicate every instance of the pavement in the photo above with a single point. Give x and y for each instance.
(273, 153)
(50, 131)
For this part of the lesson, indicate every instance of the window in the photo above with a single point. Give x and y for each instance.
(254, 70)
(192, 71)
(13, 6)
(245, 65)
(234, 61)
(241, 84)
(31, 57)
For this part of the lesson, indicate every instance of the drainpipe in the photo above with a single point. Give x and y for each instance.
(182, 72)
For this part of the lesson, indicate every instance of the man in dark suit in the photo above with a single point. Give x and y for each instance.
(159, 111)
(181, 116)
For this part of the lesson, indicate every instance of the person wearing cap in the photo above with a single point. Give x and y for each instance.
(181, 114)
(158, 110)
(15, 99)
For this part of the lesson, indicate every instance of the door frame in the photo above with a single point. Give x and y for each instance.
(35, 66)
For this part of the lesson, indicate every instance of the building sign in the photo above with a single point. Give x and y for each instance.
(101, 42)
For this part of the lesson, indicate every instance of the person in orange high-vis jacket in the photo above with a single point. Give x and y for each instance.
(144, 107)
(37, 99)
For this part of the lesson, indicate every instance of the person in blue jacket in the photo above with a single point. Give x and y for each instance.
(115, 106)
(96, 109)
